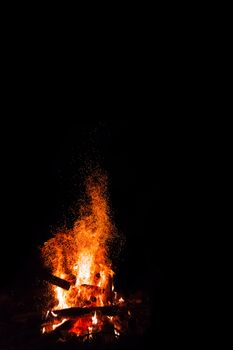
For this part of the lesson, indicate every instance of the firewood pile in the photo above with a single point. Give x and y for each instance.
(21, 325)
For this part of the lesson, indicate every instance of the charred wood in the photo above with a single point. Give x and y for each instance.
(57, 281)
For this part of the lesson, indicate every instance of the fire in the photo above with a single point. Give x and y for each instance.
(80, 256)
(94, 319)
(59, 324)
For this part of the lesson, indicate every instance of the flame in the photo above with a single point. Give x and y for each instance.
(117, 334)
(54, 326)
(80, 255)
(90, 331)
(94, 319)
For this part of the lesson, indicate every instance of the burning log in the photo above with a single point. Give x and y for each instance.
(55, 280)
(74, 312)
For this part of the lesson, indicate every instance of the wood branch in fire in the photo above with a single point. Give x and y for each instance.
(74, 312)
(57, 281)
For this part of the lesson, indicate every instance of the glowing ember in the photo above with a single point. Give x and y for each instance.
(82, 325)
(80, 256)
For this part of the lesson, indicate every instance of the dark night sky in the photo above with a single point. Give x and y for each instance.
(41, 180)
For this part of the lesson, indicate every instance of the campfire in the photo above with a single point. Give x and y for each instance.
(73, 299)
(82, 301)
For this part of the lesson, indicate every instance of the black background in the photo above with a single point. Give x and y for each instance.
(41, 179)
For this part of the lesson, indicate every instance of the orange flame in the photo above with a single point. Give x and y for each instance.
(80, 255)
